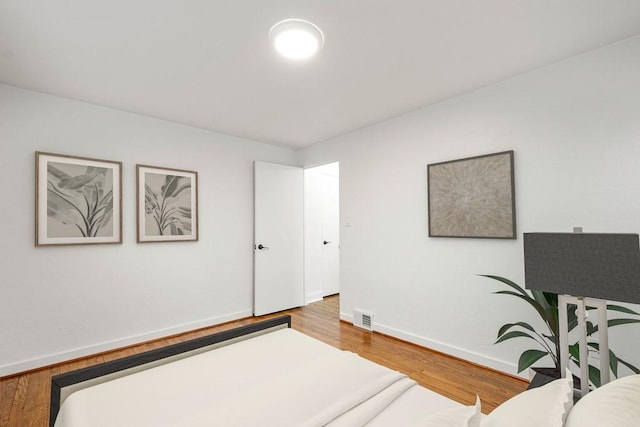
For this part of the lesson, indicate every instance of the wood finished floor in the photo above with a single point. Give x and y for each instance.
(24, 399)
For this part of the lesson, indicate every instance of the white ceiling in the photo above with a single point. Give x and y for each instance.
(208, 63)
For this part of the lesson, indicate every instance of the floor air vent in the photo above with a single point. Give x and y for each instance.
(363, 319)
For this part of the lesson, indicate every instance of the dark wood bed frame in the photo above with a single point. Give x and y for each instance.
(81, 378)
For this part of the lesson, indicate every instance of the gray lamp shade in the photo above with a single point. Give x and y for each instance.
(595, 265)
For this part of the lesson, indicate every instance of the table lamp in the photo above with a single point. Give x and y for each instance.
(584, 269)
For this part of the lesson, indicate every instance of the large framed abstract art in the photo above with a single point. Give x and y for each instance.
(167, 204)
(473, 197)
(78, 200)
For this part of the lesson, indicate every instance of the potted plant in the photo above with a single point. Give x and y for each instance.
(547, 342)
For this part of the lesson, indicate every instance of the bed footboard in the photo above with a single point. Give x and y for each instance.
(64, 384)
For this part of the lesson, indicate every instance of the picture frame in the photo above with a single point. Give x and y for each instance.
(167, 204)
(78, 200)
(473, 197)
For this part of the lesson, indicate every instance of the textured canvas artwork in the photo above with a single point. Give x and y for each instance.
(472, 197)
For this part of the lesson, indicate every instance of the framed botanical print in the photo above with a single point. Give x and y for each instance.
(167, 208)
(78, 200)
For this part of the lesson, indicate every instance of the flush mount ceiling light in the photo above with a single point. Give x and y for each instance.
(296, 38)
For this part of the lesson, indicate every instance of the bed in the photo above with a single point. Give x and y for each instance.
(268, 374)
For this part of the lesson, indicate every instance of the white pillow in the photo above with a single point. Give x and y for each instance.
(543, 406)
(465, 416)
(614, 404)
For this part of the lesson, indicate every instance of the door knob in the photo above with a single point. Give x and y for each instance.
(262, 247)
(325, 242)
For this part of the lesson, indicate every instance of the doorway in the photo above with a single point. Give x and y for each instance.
(321, 231)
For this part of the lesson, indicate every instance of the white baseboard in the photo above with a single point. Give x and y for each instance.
(46, 360)
(314, 297)
(51, 359)
(459, 352)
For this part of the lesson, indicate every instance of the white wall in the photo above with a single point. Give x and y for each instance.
(61, 302)
(575, 129)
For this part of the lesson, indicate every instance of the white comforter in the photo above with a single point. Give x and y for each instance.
(280, 379)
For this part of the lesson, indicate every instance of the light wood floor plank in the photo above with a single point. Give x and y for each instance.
(7, 392)
(17, 413)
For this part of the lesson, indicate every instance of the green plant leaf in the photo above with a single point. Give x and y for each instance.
(613, 359)
(550, 312)
(552, 299)
(529, 357)
(594, 375)
(514, 334)
(618, 308)
(574, 351)
(617, 322)
(522, 294)
(540, 298)
(572, 318)
(630, 366)
(507, 282)
(527, 299)
(613, 363)
(508, 326)
(552, 338)
(591, 329)
(621, 309)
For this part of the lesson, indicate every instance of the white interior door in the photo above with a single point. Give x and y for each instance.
(278, 245)
(330, 235)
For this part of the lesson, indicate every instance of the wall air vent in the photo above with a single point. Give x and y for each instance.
(363, 319)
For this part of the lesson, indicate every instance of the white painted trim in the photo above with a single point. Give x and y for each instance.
(50, 359)
(461, 353)
(314, 297)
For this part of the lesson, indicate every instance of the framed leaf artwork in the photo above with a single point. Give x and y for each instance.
(167, 208)
(78, 200)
